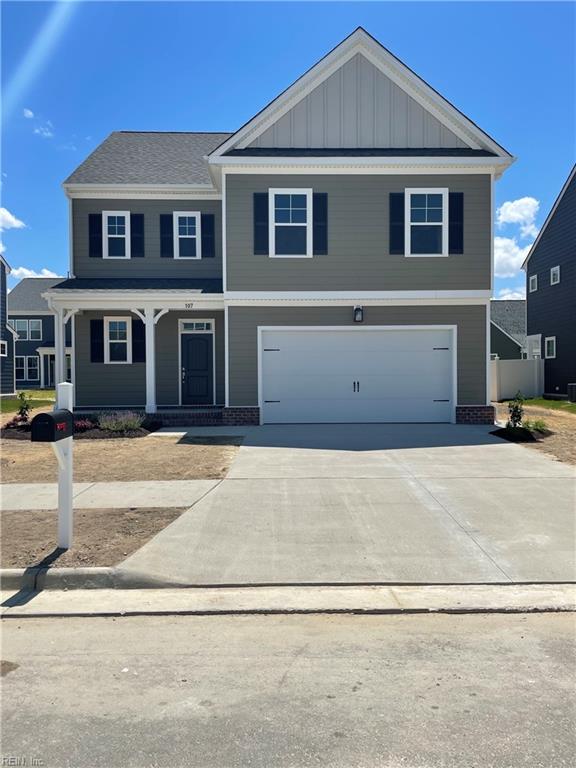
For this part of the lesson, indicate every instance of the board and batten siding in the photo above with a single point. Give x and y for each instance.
(243, 325)
(358, 256)
(358, 106)
(101, 384)
(152, 265)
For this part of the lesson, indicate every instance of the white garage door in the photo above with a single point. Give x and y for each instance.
(356, 375)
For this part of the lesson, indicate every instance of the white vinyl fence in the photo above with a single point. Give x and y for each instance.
(511, 376)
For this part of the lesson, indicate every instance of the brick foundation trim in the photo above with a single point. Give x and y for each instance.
(239, 417)
(475, 414)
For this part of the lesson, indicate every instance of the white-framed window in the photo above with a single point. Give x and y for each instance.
(554, 275)
(290, 223)
(35, 330)
(33, 368)
(3, 348)
(21, 328)
(116, 234)
(187, 235)
(533, 283)
(20, 368)
(550, 347)
(426, 222)
(189, 326)
(117, 340)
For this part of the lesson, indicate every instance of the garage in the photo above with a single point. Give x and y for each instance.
(357, 374)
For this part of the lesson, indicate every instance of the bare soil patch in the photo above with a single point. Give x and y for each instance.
(561, 442)
(101, 536)
(148, 458)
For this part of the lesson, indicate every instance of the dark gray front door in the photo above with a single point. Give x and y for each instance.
(197, 368)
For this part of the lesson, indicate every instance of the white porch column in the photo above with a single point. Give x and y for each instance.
(60, 347)
(150, 327)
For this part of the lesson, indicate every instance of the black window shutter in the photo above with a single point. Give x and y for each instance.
(137, 235)
(261, 223)
(397, 223)
(208, 236)
(456, 222)
(166, 236)
(320, 223)
(95, 235)
(97, 341)
(138, 341)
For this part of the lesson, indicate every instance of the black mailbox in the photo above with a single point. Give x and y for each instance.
(51, 427)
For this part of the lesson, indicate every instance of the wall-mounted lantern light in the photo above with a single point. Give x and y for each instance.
(358, 314)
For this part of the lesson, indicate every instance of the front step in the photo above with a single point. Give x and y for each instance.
(203, 417)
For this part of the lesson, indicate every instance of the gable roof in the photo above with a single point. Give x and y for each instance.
(148, 157)
(26, 296)
(360, 42)
(569, 180)
(510, 317)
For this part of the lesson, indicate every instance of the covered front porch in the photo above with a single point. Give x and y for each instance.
(158, 349)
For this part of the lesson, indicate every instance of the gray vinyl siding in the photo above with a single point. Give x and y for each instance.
(358, 106)
(243, 323)
(358, 237)
(99, 384)
(502, 345)
(152, 265)
(6, 363)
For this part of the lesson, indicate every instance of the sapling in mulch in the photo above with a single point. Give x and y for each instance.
(516, 412)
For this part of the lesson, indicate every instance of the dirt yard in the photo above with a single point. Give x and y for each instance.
(28, 538)
(143, 458)
(562, 443)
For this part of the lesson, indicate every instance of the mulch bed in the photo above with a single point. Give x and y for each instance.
(521, 434)
(89, 434)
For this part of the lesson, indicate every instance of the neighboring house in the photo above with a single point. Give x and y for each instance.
(508, 329)
(7, 385)
(33, 322)
(330, 261)
(551, 292)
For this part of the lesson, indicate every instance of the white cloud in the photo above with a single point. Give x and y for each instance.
(508, 256)
(9, 221)
(46, 130)
(20, 272)
(2, 248)
(28, 113)
(522, 212)
(512, 293)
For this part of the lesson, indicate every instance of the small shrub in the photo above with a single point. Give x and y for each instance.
(535, 425)
(516, 411)
(119, 421)
(24, 407)
(83, 425)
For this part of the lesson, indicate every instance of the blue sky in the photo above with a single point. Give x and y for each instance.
(72, 73)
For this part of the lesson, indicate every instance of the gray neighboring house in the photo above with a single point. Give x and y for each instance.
(551, 293)
(33, 323)
(508, 329)
(7, 384)
(329, 261)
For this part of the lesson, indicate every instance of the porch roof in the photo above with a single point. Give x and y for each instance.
(202, 285)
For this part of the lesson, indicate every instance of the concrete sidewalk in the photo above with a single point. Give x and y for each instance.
(151, 493)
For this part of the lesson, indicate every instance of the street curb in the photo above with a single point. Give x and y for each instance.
(35, 579)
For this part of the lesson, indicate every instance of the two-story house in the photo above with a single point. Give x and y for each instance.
(7, 384)
(551, 293)
(330, 261)
(33, 322)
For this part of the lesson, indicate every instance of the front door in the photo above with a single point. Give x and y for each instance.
(197, 371)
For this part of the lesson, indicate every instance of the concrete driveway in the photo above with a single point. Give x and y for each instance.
(374, 503)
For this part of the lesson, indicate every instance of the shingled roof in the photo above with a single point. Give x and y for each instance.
(26, 296)
(133, 157)
(510, 316)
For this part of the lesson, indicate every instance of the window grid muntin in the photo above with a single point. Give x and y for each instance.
(20, 366)
(118, 340)
(294, 206)
(21, 328)
(116, 234)
(430, 206)
(35, 330)
(32, 367)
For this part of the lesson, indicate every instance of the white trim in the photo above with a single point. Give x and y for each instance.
(537, 338)
(272, 192)
(71, 243)
(499, 327)
(361, 42)
(28, 312)
(128, 341)
(126, 235)
(21, 357)
(35, 320)
(27, 366)
(261, 329)
(487, 361)
(532, 278)
(546, 340)
(224, 261)
(142, 191)
(549, 217)
(492, 214)
(477, 296)
(197, 237)
(103, 299)
(555, 271)
(3, 348)
(16, 331)
(182, 332)
(408, 223)
(226, 359)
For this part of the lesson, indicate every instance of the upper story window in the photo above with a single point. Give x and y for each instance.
(116, 234)
(533, 283)
(554, 275)
(35, 330)
(187, 235)
(27, 330)
(117, 340)
(290, 218)
(426, 222)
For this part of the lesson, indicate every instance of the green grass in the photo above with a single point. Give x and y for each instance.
(40, 398)
(554, 405)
